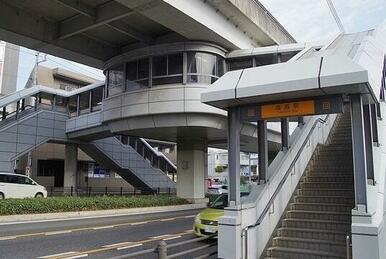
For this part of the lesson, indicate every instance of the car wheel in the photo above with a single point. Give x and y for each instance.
(2, 196)
(39, 195)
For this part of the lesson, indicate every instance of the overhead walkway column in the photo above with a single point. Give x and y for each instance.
(70, 167)
(191, 163)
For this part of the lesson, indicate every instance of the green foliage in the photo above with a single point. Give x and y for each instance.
(63, 204)
(219, 169)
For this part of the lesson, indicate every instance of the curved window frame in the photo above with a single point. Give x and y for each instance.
(219, 68)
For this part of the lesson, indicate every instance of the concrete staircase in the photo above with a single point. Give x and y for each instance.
(318, 218)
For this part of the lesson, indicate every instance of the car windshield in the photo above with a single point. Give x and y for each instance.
(220, 202)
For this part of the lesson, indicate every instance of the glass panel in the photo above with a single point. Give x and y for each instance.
(115, 81)
(175, 64)
(132, 69)
(12, 179)
(240, 63)
(97, 95)
(201, 79)
(84, 102)
(220, 67)
(167, 80)
(159, 66)
(264, 60)
(72, 106)
(143, 69)
(61, 101)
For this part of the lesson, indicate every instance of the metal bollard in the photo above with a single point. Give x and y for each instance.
(162, 250)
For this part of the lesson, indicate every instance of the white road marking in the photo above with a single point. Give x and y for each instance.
(127, 247)
(190, 216)
(139, 223)
(161, 236)
(117, 244)
(170, 238)
(61, 254)
(76, 256)
(58, 232)
(168, 219)
(103, 227)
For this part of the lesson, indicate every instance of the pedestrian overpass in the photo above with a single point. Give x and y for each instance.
(323, 195)
(205, 73)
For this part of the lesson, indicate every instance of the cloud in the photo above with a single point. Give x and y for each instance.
(311, 20)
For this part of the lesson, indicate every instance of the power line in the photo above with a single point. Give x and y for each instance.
(336, 16)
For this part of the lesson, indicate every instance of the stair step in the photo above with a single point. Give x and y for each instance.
(295, 253)
(328, 178)
(317, 224)
(326, 192)
(312, 233)
(310, 244)
(324, 199)
(319, 215)
(325, 185)
(321, 207)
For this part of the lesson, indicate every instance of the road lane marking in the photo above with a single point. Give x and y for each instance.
(90, 228)
(161, 236)
(76, 256)
(130, 246)
(148, 240)
(170, 238)
(139, 223)
(169, 219)
(61, 254)
(58, 232)
(118, 244)
(103, 227)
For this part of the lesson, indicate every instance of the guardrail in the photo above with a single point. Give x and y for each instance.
(161, 251)
(244, 232)
(92, 191)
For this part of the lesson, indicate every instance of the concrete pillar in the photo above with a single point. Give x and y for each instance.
(191, 168)
(70, 166)
(234, 126)
(284, 134)
(359, 155)
(262, 150)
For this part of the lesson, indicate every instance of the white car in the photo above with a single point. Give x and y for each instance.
(20, 186)
(217, 189)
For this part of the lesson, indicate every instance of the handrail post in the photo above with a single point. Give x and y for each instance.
(348, 246)
(162, 250)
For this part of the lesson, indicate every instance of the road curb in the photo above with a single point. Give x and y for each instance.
(96, 213)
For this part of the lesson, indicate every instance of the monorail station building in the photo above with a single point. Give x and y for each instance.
(214, 74)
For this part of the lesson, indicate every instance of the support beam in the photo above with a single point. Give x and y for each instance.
(359, 156)
(368, 142)
(105, 14)
(127, 30)
(234, 127)
(79, 7)
(374, 123)
(70, 167)
(284, 123)
(262, 150)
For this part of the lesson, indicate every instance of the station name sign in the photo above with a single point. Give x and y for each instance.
(325, 105)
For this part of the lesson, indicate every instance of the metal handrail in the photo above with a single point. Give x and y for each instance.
(348, 243)
(271, 200)
(162, 247)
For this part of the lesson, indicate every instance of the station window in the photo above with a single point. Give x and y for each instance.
(115, 80)
(137, 74)
(204, 67)
(240, 63)
(167, 69)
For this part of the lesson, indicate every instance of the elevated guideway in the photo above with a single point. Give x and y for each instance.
(38, 115)
(323, 197)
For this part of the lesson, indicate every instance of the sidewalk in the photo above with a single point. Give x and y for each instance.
(30, 218)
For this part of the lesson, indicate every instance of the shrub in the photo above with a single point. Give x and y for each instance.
(65, 204)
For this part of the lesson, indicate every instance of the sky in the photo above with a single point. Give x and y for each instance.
(305, 20)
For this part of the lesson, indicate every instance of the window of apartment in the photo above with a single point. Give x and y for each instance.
(167, 69)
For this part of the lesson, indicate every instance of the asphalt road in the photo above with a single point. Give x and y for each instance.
(102, 237)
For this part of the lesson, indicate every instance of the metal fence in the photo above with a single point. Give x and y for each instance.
(91, 191)
(161, 251)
